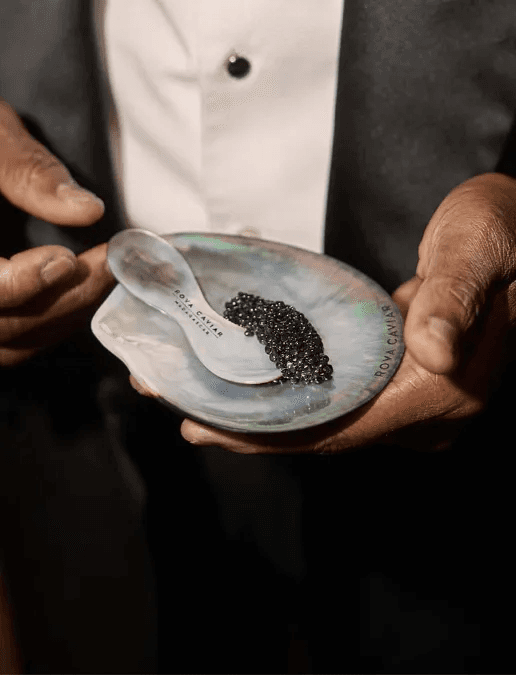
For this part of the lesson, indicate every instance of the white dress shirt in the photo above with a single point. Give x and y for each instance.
(203, 150)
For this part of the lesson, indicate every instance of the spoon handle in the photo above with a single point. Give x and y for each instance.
(156, 273)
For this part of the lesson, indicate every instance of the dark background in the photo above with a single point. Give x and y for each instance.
(379, 561)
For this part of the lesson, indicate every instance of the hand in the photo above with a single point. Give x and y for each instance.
(47, 291)
(459, 309)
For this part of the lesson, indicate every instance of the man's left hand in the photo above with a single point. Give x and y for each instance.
(459, 310)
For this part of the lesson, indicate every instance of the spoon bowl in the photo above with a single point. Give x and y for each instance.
(155, 272)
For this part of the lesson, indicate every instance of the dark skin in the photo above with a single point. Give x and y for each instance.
(459, 311)
(38, 309)
(460, 306)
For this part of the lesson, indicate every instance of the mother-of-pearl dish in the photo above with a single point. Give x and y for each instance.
(360, 326)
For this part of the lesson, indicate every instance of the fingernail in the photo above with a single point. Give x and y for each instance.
(142, 389)
(195, 438)
(74, 194)
(56, 269)
(442, 329)
(136, 385)
(200, 436)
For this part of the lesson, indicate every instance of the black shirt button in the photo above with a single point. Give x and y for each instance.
(238, 66)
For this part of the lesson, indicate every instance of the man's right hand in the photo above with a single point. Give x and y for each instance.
(45, 292)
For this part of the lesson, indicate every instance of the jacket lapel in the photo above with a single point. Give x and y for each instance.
(426, 99)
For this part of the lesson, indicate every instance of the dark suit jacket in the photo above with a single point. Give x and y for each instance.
(426, 99)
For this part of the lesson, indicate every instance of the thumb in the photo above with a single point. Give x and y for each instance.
(465, 253)
(443, 310)
(34, 180)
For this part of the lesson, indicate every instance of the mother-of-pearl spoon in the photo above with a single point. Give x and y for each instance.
(155, 272)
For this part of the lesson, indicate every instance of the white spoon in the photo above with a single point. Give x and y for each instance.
(156, 273)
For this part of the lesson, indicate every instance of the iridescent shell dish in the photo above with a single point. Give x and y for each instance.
(361, 328)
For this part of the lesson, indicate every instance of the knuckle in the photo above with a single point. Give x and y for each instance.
(40, 161)
(17, 285)
(468, 293)
(478, 218)
(31, 167)
(492, 248)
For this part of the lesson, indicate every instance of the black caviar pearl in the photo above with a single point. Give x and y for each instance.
(291, 341)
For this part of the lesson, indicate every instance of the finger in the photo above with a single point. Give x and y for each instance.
(305, 441)
(200, 434)
(442, 312)
(34, 180)
(28, 273)
(141, 388)
(409, 411)
(319, 439)
(404, 295)
(467, 251)
(90, 282)
(57, 308)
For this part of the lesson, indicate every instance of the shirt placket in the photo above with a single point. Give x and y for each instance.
(267, 79)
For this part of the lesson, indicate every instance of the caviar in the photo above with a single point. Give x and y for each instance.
(288, 337)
